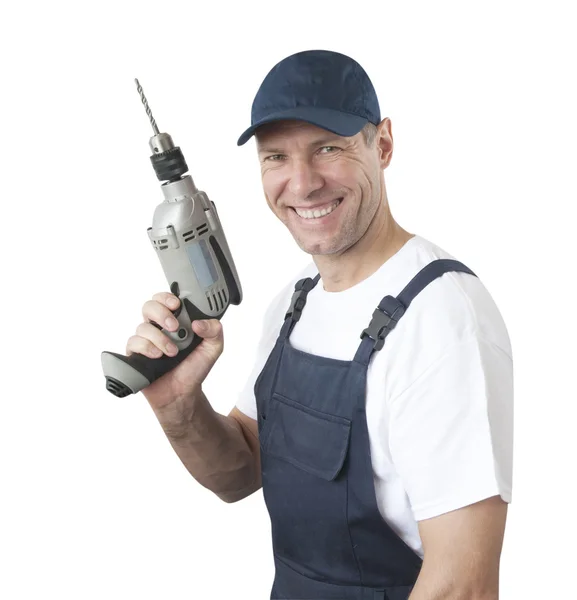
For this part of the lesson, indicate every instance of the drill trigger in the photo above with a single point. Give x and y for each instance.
(175, 289)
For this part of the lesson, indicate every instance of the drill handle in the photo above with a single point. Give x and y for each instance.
(129, 374)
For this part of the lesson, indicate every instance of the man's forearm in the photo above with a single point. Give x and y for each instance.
(211, 446)
(437, 582)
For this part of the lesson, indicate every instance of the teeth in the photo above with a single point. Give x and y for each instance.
(315, 214)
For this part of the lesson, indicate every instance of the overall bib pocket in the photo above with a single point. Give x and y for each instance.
(313, 441)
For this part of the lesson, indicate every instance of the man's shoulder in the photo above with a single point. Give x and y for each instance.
(455, 305)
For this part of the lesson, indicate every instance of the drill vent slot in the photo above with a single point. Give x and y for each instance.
(189, 235)
(202, 229)
(217, 300)
(157, 244)
(112, 385)
(119, 389)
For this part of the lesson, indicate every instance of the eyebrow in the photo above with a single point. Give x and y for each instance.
(319, 142)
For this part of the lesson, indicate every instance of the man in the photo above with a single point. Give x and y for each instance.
(378, 417)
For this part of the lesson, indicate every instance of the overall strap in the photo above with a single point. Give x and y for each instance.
(391, 309)
(298, 301)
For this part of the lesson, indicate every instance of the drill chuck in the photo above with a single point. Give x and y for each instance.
(169, 165)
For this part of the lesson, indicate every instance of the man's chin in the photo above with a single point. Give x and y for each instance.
(318, 248)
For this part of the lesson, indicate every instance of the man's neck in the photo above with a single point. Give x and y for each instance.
(384, 238)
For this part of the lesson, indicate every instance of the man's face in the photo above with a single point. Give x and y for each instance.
(325, 188)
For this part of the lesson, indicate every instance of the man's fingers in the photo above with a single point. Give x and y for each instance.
(208, 328)
(167, 299)
(213, 340)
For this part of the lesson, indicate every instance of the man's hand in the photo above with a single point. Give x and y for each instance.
(462, 553)
(186, 378)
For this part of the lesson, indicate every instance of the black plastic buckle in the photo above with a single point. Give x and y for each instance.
(297, 305)
(298, 300)
(384, 321)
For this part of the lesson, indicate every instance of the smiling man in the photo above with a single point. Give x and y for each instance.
(385, 438)
(378, 418)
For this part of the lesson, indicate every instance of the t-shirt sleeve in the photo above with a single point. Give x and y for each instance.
(272, 323)
(451, 430)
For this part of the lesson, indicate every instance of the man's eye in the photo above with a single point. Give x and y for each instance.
(329, 147)
(273, 157)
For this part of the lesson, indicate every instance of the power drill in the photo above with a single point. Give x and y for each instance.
(187, 237)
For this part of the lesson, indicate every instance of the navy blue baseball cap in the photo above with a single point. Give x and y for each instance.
(325, 88)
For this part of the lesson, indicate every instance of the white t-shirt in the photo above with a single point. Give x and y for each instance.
(439, 393)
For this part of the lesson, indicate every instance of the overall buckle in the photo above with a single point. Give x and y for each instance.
(385, 318)
(298, 300)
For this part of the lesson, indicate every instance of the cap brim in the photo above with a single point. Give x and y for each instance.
(341, 123)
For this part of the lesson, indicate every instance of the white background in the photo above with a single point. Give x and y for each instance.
(95, 504)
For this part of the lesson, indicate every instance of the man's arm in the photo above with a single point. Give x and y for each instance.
(221, 452)
(462, 551)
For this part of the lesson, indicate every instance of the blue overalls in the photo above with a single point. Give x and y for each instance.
(329, 539)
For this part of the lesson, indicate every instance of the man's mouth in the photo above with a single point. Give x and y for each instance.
(317, 213)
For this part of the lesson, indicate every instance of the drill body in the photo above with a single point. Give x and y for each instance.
(188, 239)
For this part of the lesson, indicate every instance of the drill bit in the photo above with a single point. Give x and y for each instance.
(148, 111)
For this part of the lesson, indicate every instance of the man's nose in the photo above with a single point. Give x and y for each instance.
(304, 179)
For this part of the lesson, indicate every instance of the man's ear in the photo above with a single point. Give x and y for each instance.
(384, 142)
